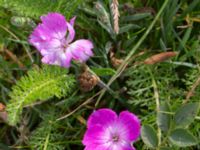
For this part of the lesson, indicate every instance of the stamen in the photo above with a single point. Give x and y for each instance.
(115, 138)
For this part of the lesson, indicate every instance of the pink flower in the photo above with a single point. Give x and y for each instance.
(107, 131)
(53, 39)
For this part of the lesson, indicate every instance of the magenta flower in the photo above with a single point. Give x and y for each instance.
(107, 131)
(53, 39)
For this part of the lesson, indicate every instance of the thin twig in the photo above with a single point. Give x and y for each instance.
(80, 106)
(13, 35)
(192, 90)
(14, 58)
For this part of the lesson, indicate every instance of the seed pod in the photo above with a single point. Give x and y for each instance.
(159, 57)
(87, 81)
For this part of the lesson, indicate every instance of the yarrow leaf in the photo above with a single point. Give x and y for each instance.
(47, 135)
(36, 8)
(38, 85)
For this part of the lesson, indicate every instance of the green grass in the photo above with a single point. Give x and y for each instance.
(156, 92)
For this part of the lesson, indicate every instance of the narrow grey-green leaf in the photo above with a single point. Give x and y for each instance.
(162, 45)
(108, 47)
(182, 138)
(186, 114)
(163, 119)
(106, 27)
(135, 17)
(128, 27)
(149, 136)
(103, 17)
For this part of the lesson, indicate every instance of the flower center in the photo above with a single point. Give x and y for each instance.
(115, 138)
(64, 46)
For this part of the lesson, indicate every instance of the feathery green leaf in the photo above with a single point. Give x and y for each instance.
(38, 85)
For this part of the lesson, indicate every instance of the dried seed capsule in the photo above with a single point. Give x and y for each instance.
(87, 81)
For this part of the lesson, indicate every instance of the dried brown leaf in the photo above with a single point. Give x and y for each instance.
(116, 62)
(159, 57)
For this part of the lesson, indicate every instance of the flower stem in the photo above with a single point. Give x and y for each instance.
(156, 95)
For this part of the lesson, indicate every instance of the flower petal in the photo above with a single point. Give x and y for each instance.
(72, 21)
(93, 138)
(56, 23)
(49, 34)
(101, 117)
(119, 147)
(71, 30)
(40, 37)
(97, 147)
(132, 124)
(49, 59)
(81, 50)
(67, 62)
(71, 33)
(129, 148)
(57, 58)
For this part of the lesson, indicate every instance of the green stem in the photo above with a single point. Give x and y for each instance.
(132, 52)
(46, 142)
(156, 95)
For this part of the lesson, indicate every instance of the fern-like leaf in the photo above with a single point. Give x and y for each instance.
(38, 85)
(47, 136)
(36, 8)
